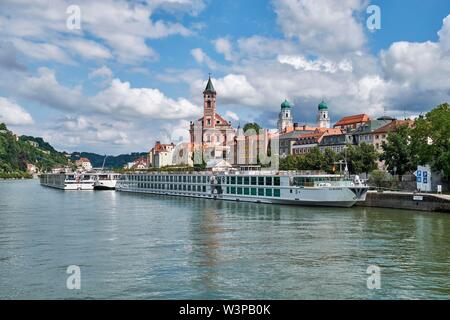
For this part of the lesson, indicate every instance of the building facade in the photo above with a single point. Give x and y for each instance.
(211, 136)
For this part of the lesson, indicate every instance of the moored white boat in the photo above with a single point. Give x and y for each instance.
(253, 186)
(68, 181)
(106, 180)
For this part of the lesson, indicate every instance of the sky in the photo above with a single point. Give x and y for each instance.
(134, 71)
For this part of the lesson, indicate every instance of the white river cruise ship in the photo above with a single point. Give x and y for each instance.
(251, 186)
(68, 181)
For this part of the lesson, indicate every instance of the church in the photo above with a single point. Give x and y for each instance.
(211, 134)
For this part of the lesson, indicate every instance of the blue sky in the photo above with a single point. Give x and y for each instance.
(135, 71)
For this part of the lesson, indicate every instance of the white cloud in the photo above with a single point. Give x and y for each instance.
(325, 65)
(231, 89)
(444, 34)
(13, 114)
(322, 26)
(264, 47)
(88, 49)
(202, 58)
(231, 115)
(102, 72)
(42, 51)
(224, 46)
(120, 99)
(117, 100)
(121, 29)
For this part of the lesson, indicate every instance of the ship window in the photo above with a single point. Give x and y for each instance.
(194, 179)
(246, 191)
(246, 180)
(239, 190)
(189, 187)
(261, 181)
(228, 180)
(233, 190)
(260, 191)
(276, 181)
(253, 191)
(228, 189)
(268, 181)
(268, 192)
(253, 181)
(176, 187)
(233, 180)
(184, 178)
(239, 179)
(184, 187)
(204, 188)
(276, 193)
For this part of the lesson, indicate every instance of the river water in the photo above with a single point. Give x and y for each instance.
(130, 246)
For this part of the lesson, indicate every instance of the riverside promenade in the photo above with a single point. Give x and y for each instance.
(407, 200)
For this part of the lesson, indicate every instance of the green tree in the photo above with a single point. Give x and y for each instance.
(361, 158)
(397, 151)
(431, 139)
(252, 125)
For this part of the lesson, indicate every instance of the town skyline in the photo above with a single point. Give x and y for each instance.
(117, 85)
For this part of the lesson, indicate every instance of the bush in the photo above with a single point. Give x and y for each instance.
(381, 179)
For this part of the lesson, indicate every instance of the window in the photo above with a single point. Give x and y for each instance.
(260, 191)
(239, 180)
(239, 190)
(228, 180)
(228, 189)
(246, 180)
(208, 121)
(261, 181)
(253, 191)
(233, 180)
(276, 192)
(204, 188)
(268, 192)
(233, 190)
(246, 191)
(253, 181)
(268, 181)
(276, 181)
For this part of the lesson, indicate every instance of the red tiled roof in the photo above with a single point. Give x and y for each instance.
(392, 126)
(352, 120)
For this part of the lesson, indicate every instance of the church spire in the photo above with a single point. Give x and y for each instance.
(209, 87)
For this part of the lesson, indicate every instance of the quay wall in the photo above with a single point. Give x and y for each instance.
(404, 200)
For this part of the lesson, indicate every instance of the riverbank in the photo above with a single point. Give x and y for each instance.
(407, 200)
(15, 175)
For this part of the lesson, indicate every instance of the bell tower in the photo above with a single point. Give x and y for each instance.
(209, 105)
(285, 117)
(323, 118)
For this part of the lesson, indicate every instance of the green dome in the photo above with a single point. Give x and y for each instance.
(323, 106)
(286, 105)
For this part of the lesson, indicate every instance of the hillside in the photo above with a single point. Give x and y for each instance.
(16, 153)
(113, 162)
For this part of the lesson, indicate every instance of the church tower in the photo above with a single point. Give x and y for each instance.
(209, 106)
(285, 117)
(323, 119)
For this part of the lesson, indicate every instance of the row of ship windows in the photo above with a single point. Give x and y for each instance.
(268, 192)
(162, 186)
(260, 181)
(171, 178)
